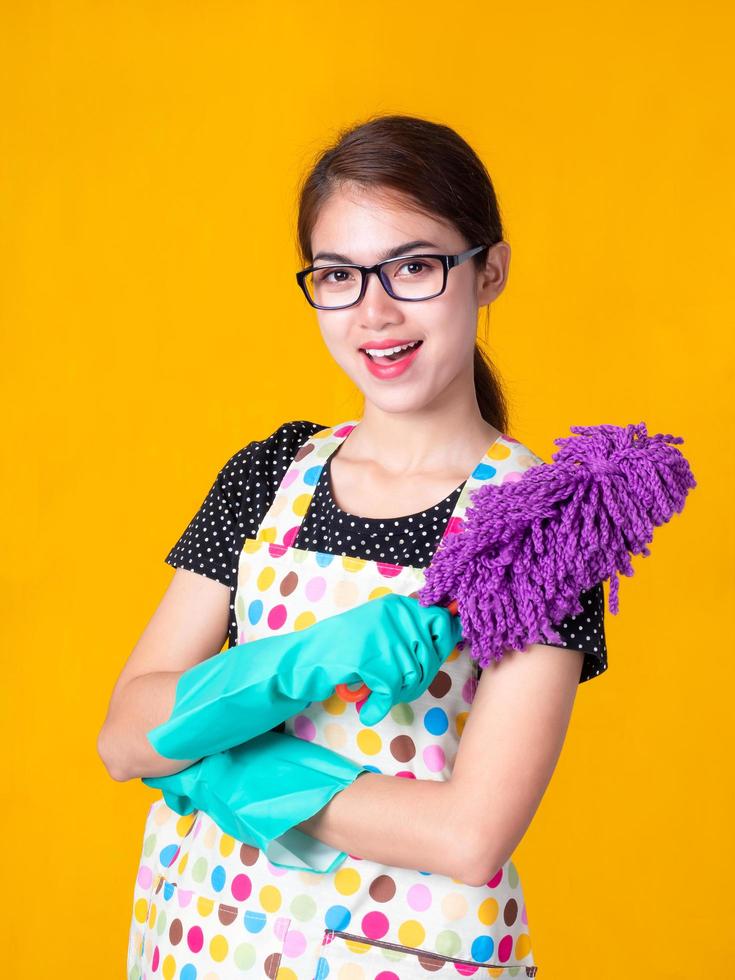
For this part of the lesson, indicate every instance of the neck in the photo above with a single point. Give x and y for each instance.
(431, 439)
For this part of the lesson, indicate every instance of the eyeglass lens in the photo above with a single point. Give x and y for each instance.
(413, 278)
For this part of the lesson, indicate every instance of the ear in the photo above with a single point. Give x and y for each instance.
(492, 278)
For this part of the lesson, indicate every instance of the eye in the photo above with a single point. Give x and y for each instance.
(323, 277)
(416, 263)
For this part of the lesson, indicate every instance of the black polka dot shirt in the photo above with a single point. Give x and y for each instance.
(245, 487)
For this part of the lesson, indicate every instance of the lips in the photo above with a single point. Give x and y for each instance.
(384, 369)
(390, 342)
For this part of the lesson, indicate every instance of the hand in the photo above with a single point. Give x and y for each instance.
(431, 632)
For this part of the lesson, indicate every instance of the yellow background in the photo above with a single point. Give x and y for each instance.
(152, 326)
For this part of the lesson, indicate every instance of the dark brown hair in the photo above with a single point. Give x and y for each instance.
(435, 171)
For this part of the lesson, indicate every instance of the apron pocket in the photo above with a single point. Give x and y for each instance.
(190, 934)
(380, 960)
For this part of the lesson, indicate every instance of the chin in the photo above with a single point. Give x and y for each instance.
(399, 403)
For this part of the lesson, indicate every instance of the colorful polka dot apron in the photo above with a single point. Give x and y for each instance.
(209, 907)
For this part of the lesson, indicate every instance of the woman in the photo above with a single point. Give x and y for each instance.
(429, 884)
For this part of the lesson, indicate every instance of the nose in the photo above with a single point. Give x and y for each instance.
(376, 299)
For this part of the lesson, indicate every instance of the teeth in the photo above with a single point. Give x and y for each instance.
(389, 350)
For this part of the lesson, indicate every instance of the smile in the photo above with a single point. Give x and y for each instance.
(392, 362)
(391, 352)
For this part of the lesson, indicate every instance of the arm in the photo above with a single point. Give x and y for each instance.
(509, 748)
(188, 625)
(469, 826)
(405, 823)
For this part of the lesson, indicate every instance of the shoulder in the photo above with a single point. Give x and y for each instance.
(582, 631)
(513, 455)
(272, 453)
(249, 478)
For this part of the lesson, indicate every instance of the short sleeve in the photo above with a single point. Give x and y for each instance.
(235, 506)
(208, 545)
(586, 632)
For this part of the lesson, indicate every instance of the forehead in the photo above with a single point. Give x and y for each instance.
(357, 221)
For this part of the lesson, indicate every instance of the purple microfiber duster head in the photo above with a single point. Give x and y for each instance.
(531, 547)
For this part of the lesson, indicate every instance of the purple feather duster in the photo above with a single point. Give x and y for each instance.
(530, 547)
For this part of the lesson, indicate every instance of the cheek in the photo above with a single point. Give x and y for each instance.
(453, 341)
(339, 349)
(334, 334)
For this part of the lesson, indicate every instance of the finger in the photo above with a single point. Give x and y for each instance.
(375, 708)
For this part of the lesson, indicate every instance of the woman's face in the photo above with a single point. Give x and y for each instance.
(363, 226)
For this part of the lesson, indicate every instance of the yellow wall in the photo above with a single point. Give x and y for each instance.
(149, 157)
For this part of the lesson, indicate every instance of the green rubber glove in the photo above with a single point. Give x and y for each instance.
(393, 644)
(259, 791)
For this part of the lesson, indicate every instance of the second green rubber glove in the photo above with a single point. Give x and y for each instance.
(259, 791)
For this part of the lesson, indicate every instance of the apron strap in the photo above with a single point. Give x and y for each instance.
(281, 524)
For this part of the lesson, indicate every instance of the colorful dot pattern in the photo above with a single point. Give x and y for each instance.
(239, 498)
(208, 907)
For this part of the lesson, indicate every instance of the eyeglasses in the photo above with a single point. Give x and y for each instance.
(335, 287)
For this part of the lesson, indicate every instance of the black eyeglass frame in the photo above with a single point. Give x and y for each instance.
(448, 262)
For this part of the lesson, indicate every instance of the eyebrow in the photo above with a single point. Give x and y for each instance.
(390, 253)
